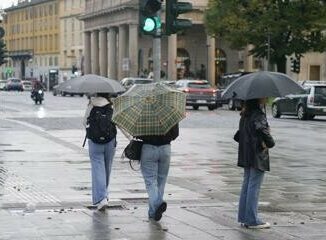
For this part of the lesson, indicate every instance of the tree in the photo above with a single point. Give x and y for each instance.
(289, 26)
(3, 52)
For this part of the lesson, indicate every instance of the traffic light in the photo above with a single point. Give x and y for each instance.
(297, 66)
(149, 22)
(292, 64)
(3, 50)
(173, 9)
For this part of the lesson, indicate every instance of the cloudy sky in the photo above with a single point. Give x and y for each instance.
(6, 3)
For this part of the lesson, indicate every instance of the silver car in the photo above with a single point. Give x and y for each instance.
(130, 81)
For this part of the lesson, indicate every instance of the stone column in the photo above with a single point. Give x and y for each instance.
(211, 60)
(122, 49)
(95, 53)
(133, 49)
(87, 54)
(172, 57)
(103, 52)
(113, 53)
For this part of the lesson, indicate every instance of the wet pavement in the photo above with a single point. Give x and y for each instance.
(45, 179)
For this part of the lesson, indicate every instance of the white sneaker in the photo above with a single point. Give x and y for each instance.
(260, 226)
(102, 205)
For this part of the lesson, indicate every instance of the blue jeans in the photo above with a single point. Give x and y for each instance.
(155, 163)
(248, 204)
(101, 156)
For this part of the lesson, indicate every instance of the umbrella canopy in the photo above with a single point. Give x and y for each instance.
(261, 84)
(91, 83)
(149, 109)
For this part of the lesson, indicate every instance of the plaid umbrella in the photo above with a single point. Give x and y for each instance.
(149, 109)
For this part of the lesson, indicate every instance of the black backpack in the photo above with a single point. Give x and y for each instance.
(100, 127)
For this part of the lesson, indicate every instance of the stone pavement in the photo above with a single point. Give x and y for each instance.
(45, 191)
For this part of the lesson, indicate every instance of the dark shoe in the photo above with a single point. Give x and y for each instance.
(159, 211)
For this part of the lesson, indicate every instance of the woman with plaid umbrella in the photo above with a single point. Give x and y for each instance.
(155, 163)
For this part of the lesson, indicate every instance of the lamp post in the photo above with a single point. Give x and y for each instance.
(268, 50)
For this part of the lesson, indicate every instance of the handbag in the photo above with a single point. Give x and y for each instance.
(133, 149)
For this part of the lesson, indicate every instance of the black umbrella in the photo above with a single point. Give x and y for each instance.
(261, 84)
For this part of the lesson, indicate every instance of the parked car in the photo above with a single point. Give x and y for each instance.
(27, 85)
(14, 84)
(199, 93)
(224, 82)
(305, 105)
(3, 85)
(130, 81)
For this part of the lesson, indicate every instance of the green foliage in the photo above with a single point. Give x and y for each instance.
(3, 52)
(293, 26)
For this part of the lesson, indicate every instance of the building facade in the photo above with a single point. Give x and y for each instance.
(71, 38)
(32, 39)
(114, 46)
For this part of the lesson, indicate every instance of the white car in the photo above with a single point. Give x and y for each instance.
(130, 81)
(3, 85)
(27, 85)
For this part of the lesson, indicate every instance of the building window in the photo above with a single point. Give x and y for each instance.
(55, 61)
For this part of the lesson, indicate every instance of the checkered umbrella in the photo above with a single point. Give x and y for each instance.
(149, 109)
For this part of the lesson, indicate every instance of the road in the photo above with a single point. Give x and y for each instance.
(41, 155)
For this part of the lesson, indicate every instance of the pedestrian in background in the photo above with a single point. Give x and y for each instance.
(254, 139)
(101, 134)
(155, 163)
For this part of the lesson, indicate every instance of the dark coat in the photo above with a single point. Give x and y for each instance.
(252, 135)
(160, 140)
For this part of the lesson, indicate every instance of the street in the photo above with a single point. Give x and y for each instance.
(45, 184)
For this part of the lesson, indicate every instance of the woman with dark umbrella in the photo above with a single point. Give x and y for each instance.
(254, 139)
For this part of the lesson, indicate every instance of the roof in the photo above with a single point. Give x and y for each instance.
(26, 4)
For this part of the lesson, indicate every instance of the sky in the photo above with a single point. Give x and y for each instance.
(7, 3)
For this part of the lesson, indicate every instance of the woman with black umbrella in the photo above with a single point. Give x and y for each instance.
(254, 139)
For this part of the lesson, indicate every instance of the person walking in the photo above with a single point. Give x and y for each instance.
(254, 139)
(155, 163)
(101, 134)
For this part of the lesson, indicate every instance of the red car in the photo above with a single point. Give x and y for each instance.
(199, 93)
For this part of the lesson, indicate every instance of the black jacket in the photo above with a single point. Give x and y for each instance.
(253, 133)
(160, 140)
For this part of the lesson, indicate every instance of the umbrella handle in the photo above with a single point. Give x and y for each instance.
(84, 140)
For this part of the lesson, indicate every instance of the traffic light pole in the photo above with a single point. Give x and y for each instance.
(157, 52)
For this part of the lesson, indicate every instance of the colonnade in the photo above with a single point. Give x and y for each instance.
(106, 49)
(113, 52)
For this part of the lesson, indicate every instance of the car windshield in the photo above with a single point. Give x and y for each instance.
(15, 80)
(142, 81)
(321, 91)
(199, 85)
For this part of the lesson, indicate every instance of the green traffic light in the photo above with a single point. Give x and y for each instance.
(149, 25)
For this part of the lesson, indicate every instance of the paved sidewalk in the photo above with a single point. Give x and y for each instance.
(45, 192)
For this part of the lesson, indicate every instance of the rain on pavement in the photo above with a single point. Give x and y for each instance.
(45, 174)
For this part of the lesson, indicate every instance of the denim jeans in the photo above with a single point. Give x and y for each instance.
(248, 204)
(155, 163)
(101, 156)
